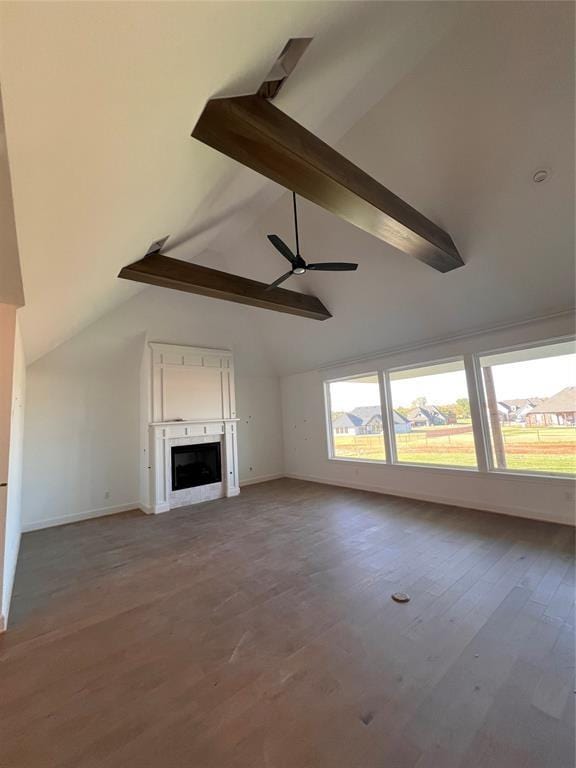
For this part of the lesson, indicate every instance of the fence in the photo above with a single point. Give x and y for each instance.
(460, 437)
(539, 434)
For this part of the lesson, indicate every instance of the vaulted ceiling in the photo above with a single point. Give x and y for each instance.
(453, 106)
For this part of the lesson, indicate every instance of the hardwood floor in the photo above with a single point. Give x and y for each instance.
(259, 632)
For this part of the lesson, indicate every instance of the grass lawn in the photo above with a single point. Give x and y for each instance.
(545, 449)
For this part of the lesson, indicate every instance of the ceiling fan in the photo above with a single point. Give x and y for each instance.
(299, 266)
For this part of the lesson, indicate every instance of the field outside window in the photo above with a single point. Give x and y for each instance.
(432, 422)
(530, 397)
(356, 418)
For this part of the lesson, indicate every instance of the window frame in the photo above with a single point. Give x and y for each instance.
(328, 419)
(415, 367)
(478, 412)
(485, 424)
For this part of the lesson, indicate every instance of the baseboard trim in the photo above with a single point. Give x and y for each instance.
(449, 502)
(261, 479)
(52, 522)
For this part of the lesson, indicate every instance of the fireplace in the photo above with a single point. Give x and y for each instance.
(191, 452)
(195, 465)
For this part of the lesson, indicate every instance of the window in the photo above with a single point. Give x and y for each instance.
(356, 418)
(432, 422)
(527, 401)
(530, 398)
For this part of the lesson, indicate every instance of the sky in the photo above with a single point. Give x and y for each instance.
(534, 378)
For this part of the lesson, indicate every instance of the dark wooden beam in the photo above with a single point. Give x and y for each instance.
(283, 67)
(257, 134)
(157, 269)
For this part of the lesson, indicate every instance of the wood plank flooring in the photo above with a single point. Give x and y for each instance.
(258, 632)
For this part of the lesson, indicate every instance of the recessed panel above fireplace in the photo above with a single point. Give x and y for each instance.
(194, 465)
(191, 383)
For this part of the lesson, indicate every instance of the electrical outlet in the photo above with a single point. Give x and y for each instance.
(107, 495)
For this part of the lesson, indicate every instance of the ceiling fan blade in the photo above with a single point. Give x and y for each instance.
(276, 283)
(335, 266)
(281, 246)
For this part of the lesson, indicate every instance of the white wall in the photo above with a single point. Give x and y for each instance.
(14, 499)
(306, 454)
(82, 414)
(7, 332)
(260, 444)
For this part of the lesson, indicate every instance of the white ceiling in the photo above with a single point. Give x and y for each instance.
(451, 105)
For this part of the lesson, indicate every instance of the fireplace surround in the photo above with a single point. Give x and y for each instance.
(191, 410)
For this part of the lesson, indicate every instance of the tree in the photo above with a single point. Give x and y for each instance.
(449, 412)
(462, 408)
(419, 402)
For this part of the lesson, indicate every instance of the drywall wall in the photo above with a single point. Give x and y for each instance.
(7, 332)
(82, 415)
(306, 452)
(13, 526)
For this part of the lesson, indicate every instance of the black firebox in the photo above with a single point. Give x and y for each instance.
(194, 465)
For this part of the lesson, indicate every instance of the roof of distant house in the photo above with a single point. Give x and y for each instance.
(562, 402)
(429, 412)
(347, 420)
(362, 415)
(399, 419)
(522, 402)
(367, 412)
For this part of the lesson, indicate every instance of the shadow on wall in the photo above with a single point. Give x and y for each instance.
(82, 429)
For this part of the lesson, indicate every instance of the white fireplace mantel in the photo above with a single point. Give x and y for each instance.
(185, 422)
(191, 401)
(163, 436)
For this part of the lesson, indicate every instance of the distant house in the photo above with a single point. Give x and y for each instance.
(366, 420)
(401, 425)
(558, 410)
(370, 419)
(504, 412)
(426, 416)
(518, 409)
(346, 424)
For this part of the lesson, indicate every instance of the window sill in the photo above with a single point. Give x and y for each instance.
(510, 475)
(405, 465)
(351, 460)
(518, 474)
